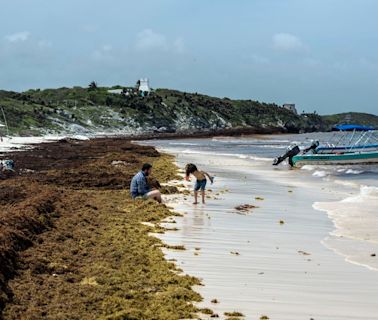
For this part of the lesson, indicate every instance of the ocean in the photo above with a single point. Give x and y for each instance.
(307, 250)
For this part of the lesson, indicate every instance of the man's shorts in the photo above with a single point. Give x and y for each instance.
(144, 197)
(200, 185)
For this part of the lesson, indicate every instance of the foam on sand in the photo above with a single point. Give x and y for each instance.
(355, 235)
(320, 174)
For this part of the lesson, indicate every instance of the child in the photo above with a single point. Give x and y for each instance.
(201, 180)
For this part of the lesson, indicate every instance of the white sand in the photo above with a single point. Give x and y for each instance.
(15, 143)
(20, 143)
(273, 275)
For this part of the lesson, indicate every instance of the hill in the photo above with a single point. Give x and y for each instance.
(366, 119)
(100, 110)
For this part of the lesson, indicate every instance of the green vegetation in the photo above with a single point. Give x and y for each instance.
(352, 117)
(95, 109)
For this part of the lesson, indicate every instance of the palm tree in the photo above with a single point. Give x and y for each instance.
(93, 85)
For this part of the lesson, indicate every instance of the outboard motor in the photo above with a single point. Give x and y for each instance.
(312, 147)
(290, 153)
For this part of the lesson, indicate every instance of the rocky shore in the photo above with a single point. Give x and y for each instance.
(73, 245)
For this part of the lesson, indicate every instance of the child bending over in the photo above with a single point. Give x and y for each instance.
(200, 182)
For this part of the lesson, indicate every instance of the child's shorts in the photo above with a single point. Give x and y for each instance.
(200, 185)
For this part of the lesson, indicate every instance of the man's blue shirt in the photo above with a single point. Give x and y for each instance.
(139, 186)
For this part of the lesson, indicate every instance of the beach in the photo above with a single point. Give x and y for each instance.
(177, 160)
(303, 247)
(298, 255)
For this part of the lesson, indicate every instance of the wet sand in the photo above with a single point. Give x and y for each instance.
(254, 264)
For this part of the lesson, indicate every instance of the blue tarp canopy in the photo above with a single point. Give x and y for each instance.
(352, 127)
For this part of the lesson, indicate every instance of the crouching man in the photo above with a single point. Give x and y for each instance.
(139, 187)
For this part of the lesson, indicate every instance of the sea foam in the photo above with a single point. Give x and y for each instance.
(356, 230)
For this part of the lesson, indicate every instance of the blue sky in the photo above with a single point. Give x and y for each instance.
(321, 55)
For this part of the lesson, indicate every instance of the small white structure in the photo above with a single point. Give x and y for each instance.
(115, 91)
(290, 107)
(144, 85)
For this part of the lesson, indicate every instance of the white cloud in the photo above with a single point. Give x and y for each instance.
(148, 39)
(287, 42)
(18, 36)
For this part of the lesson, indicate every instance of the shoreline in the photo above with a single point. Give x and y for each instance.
(205, 133)
(88, 253)
(261, 279)
(27, 142)
(348, 238)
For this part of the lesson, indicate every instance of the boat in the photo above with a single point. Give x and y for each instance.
(348, 158)
(352, 127)
(358, 149)
(357, 141)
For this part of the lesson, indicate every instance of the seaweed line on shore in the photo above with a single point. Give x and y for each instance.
(73, 245)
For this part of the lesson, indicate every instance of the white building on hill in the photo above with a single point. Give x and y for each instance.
(144, 85)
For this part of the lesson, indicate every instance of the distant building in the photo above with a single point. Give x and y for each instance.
(141, 88)
(290, 107)
(115, 91)
(123, 91)
(143, 85)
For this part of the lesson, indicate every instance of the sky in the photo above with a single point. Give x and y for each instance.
(319, 54)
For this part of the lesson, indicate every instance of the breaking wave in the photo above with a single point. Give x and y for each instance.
(237, 155)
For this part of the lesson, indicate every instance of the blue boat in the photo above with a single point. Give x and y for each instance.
(349, 158)
(352, 127)
(355, 148)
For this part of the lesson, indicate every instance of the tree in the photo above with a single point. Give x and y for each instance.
(93, 85)
(109, 101)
